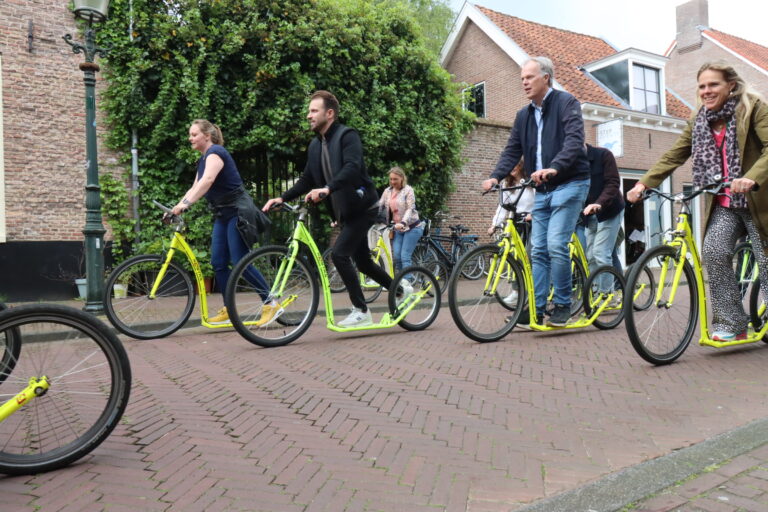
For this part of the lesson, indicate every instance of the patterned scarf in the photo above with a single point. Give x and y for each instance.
(707, 157)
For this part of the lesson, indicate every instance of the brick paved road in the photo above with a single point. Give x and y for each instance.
(393, 421)
(738, 485)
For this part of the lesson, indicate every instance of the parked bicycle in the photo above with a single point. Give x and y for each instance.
(160, 296)
(65, 379)
(661, 333)
(488, 309)
(440, 253)
(292, 273)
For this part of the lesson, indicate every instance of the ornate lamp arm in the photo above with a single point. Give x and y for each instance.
(89, 49)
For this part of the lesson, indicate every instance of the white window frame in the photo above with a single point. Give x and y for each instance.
(2, 161)
(464, 92)
(662, 90)
(634, 56)
(666, 213)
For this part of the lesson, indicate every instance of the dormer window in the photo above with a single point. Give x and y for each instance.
(645, 89)
(635, 77)
(616, 78)
(474, 99)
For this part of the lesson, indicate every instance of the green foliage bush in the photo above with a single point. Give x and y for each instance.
(249, 66)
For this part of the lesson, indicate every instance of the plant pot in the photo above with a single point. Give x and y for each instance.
(207, 283)
(82, 287)
(120, 291)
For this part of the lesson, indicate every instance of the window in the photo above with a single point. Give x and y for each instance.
(616, 78)
(645, 85)
(474, 99)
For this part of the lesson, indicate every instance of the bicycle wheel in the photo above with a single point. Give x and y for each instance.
(758, 308)
(421, 281)
(298, 299)
(661, 333)
(89, 376)
(645, 288)
(334, 278)
(601, 283)
(425, 256)
(578, 285)
(745, 267)
(480, 313)
(10, 345)
(138, 314)
(473, 269)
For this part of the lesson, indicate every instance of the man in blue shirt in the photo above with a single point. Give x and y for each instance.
(549, 135)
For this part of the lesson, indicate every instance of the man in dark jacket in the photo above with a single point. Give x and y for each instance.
(335, 169)
(603, 210)
(549, 135)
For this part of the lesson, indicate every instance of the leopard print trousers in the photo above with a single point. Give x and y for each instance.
(726, 226)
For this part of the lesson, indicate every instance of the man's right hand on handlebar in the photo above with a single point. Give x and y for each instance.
(272, 203)
(489, 184)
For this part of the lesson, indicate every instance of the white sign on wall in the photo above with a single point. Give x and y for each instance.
(610, 135)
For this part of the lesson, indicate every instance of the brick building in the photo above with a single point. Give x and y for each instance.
(42, 151)
(624, 94)
(696, 43)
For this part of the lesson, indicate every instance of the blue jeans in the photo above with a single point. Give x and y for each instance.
(554, 220)
(227, 248)
(403, 245)
(601, 240)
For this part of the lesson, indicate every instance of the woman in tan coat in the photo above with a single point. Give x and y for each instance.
(728, 136)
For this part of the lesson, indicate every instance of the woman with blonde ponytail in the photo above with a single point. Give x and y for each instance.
(237, 221)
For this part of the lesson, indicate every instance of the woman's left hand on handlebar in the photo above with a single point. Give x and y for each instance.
(742, 185)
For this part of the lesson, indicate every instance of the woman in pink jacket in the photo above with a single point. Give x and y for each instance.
(398, 204)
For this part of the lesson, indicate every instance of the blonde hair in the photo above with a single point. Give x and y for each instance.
(400, 172)
(211, 129)
(741, 90)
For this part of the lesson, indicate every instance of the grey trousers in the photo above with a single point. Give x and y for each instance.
(725, 227)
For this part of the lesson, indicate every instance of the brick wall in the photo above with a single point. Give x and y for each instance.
(682, 67)
(476, 59)
(44, 123)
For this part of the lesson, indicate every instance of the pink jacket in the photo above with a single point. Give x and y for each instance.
(406, 203)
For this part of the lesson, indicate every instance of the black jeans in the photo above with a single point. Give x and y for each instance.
(352, 244)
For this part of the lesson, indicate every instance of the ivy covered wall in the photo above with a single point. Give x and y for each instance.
(249, 66)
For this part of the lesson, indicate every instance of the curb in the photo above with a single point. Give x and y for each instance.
(616, 491)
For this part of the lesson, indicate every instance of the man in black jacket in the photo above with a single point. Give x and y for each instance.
(335, 169)
(603, 210)
(549, 135)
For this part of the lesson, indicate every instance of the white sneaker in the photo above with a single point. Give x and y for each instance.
(407, 288)
(511, 299)
(357, 318)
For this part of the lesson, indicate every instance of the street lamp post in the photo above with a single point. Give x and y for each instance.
(91, 10)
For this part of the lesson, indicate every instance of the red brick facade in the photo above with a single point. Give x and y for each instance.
(682, 67)
(476, 57)
(43, 123)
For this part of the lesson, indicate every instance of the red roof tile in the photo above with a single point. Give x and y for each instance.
(753, 52)
(568, 51)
